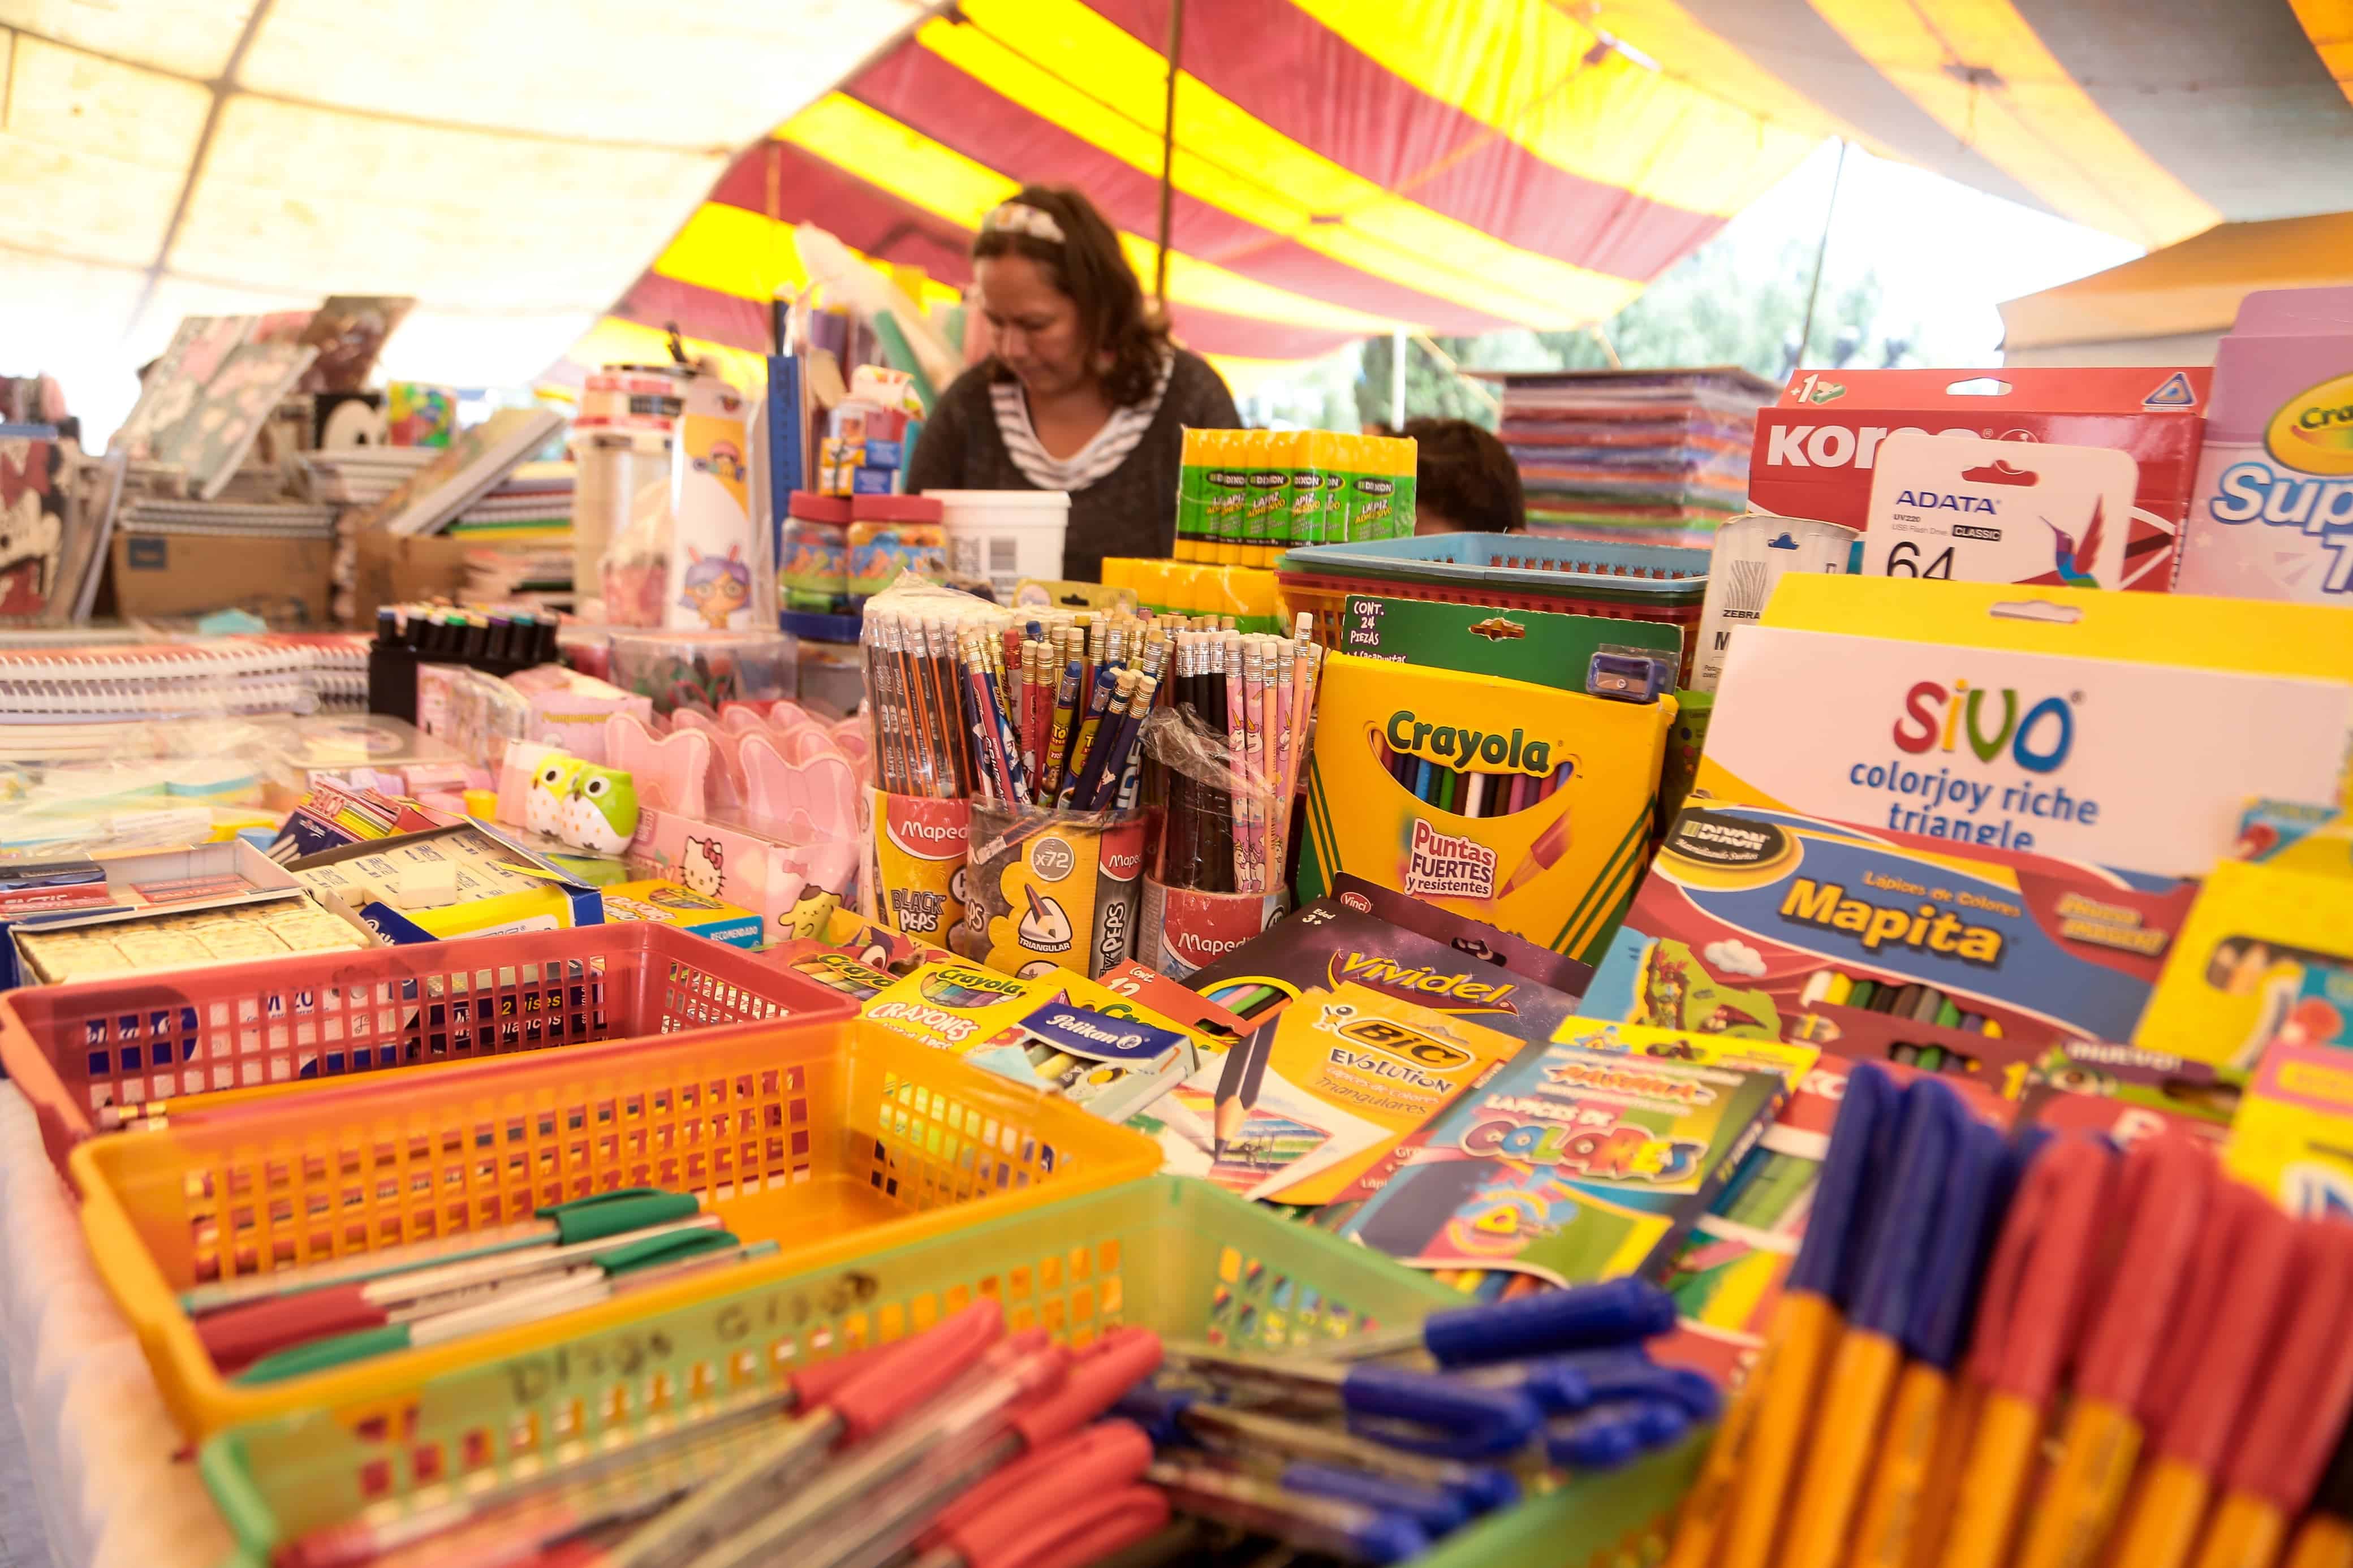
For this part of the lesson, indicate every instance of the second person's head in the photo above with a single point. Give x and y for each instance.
(1064, 309)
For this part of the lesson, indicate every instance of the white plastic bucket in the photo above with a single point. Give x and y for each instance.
(1004, 536)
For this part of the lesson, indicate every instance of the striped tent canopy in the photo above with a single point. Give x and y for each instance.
(1350, 167)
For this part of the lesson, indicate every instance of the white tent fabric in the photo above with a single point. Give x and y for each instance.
(513, 163)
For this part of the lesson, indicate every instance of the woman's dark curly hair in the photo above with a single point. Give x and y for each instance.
(1089, 267)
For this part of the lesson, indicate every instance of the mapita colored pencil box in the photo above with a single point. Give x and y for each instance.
(1517, 804)
(1769, 925)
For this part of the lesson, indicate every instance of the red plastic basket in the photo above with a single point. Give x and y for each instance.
(242, 1030)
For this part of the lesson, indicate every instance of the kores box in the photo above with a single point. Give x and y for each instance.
(1524, 807)
(1815, 449)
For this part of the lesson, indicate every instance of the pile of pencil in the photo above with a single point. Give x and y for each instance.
(1014, 708)
(2036, 1354)
(1227, 833)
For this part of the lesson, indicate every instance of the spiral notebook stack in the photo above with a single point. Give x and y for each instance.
(96, 684)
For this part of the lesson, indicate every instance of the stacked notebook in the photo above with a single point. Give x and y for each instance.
(1637, 457)
(271, 519)
(361, 476)
(462, 475)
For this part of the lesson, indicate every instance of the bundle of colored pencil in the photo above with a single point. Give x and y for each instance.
(1227, 817)
(1037, 708)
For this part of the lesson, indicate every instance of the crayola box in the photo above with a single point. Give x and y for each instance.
(1575, 1164)
(2236, 979)
(1516, 804)
(2272, 515)
(2293, 1133)
(1766, 924)
(957, 1006)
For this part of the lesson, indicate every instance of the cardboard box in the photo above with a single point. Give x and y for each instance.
(396, 568)
(1816, 448)
(286, 582)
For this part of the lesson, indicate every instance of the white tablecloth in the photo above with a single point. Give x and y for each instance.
(91, 1472)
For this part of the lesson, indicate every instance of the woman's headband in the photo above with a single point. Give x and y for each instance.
(1017, 217)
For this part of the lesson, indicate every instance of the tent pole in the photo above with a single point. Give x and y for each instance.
(1821, 249)
(1168, 151)
(1397, 344)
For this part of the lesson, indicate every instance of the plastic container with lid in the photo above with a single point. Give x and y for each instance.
(813, 553)
(891, 535)
(1003, 536)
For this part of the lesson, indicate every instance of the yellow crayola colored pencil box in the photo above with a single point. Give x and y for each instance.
(1521, 806)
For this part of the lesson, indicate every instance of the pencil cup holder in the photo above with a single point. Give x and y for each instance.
(1050, 890)
(1180, 929)
(916, 858)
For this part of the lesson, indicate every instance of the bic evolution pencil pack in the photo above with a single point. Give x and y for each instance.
(1517, 804)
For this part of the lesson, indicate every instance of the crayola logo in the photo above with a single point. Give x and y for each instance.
(1934, 718)
(2313, 431)
(1461, 748)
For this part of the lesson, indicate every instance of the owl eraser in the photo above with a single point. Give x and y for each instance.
(601, 811)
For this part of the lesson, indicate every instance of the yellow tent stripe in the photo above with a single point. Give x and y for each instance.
(2329, 25)
(1079, 71)
(1690, 52)
(2026, 113)
(1613, 121)
(943, 182)
(739, 252)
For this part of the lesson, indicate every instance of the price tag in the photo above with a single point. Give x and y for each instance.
(1960, 507)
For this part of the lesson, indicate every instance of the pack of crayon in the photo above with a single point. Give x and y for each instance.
(957, 1006)
(1765, 924)
(1094, 1047)
(1517, 804)
(1575, 1163)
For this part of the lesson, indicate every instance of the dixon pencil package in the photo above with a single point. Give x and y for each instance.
(1516, 805)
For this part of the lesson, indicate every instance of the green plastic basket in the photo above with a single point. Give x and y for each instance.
(1169, 1253)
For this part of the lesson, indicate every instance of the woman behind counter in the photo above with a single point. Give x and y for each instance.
(1083, 392)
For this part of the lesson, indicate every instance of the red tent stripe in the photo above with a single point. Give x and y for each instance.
(1289, 70)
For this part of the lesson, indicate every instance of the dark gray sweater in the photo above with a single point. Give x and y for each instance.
(1130, 512)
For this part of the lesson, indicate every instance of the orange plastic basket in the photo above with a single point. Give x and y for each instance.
(235, 1029)
(806, 1134)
